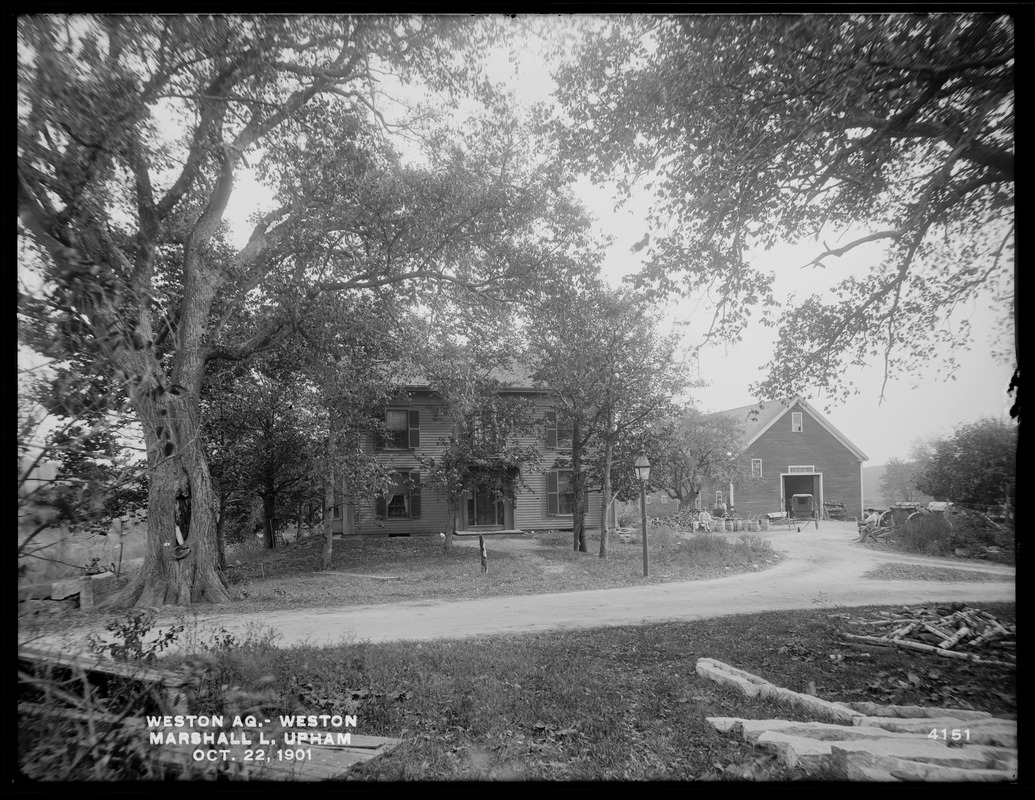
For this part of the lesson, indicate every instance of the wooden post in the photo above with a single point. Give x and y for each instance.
(485, 556)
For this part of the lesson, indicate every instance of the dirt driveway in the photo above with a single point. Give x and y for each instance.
(822, 566)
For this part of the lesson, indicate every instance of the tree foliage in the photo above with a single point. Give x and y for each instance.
(132, 133)
(602, 355)
(264, 436)
(898, 483)
(693, 450)
(976, 465)
(891, 134)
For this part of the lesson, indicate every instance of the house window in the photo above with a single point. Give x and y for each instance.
(756, 468)
(559, 495)
(339, 500)
(802, 468)
(401, 500)
(718, 498)
(484, 506)
(558, 434)
(796, 421)
(402, 429)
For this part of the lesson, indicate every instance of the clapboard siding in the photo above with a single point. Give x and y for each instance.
(779, 447)
(530, 510)
(530, 501)
(434, 514)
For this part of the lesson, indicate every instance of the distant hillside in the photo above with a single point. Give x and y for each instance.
(872, 497)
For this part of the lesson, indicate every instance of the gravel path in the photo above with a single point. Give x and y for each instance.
(821, 567)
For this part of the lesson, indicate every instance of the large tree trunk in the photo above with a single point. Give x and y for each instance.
(220, 536)
(173, 573)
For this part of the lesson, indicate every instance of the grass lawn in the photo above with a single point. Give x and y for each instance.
(627, 703)
(368, 570)
(604, 704)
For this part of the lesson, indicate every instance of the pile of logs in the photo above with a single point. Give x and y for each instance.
(956, 632)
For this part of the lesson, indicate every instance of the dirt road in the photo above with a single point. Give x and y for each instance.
(821, 567)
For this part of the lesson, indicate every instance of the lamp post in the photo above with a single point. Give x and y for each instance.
(642, 466)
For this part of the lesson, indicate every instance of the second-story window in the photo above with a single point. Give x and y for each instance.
(402, 429)
(796, 421)
(756, 468)
(558, 432)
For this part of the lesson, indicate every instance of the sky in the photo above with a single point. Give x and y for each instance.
(919, 406)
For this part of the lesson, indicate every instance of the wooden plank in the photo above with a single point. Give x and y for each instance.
(85, 663)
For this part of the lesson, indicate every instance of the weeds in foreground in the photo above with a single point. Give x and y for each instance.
(81, 723)
(131, 631)
(622, 703)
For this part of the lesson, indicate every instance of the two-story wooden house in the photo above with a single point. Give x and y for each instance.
(537, 496)
(790, 449)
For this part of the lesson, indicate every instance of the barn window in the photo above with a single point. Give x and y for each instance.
(796, 421)
(756, 468)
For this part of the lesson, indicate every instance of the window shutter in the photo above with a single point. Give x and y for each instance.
(414, 491)
(551, 434)
(414, 429)
(381, 507)
(551, 494)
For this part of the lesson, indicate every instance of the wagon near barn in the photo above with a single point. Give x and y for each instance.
(899, 514)
(835, 510)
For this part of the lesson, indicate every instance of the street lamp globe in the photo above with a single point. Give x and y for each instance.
(642, 466)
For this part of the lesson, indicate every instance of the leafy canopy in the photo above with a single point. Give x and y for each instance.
(890, 134)
(976, 465)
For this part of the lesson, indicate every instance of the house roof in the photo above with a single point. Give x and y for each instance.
(754, 420)
(514, 379)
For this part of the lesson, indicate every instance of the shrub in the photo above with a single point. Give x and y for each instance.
(930, 534)
(973, 531)
(628, 515)
(708, 543)
(131, 631)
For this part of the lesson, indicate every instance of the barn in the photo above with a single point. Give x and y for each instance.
(789, 448)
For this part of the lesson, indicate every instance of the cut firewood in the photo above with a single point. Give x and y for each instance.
(951, 641)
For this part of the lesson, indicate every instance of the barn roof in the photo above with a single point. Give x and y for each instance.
(756, 419)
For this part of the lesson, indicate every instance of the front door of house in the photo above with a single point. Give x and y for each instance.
(490, 503)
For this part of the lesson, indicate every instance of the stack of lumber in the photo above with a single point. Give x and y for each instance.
(954, 632)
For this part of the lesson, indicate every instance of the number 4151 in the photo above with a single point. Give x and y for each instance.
(956, 734)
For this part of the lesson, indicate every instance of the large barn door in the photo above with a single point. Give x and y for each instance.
(798, 483)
